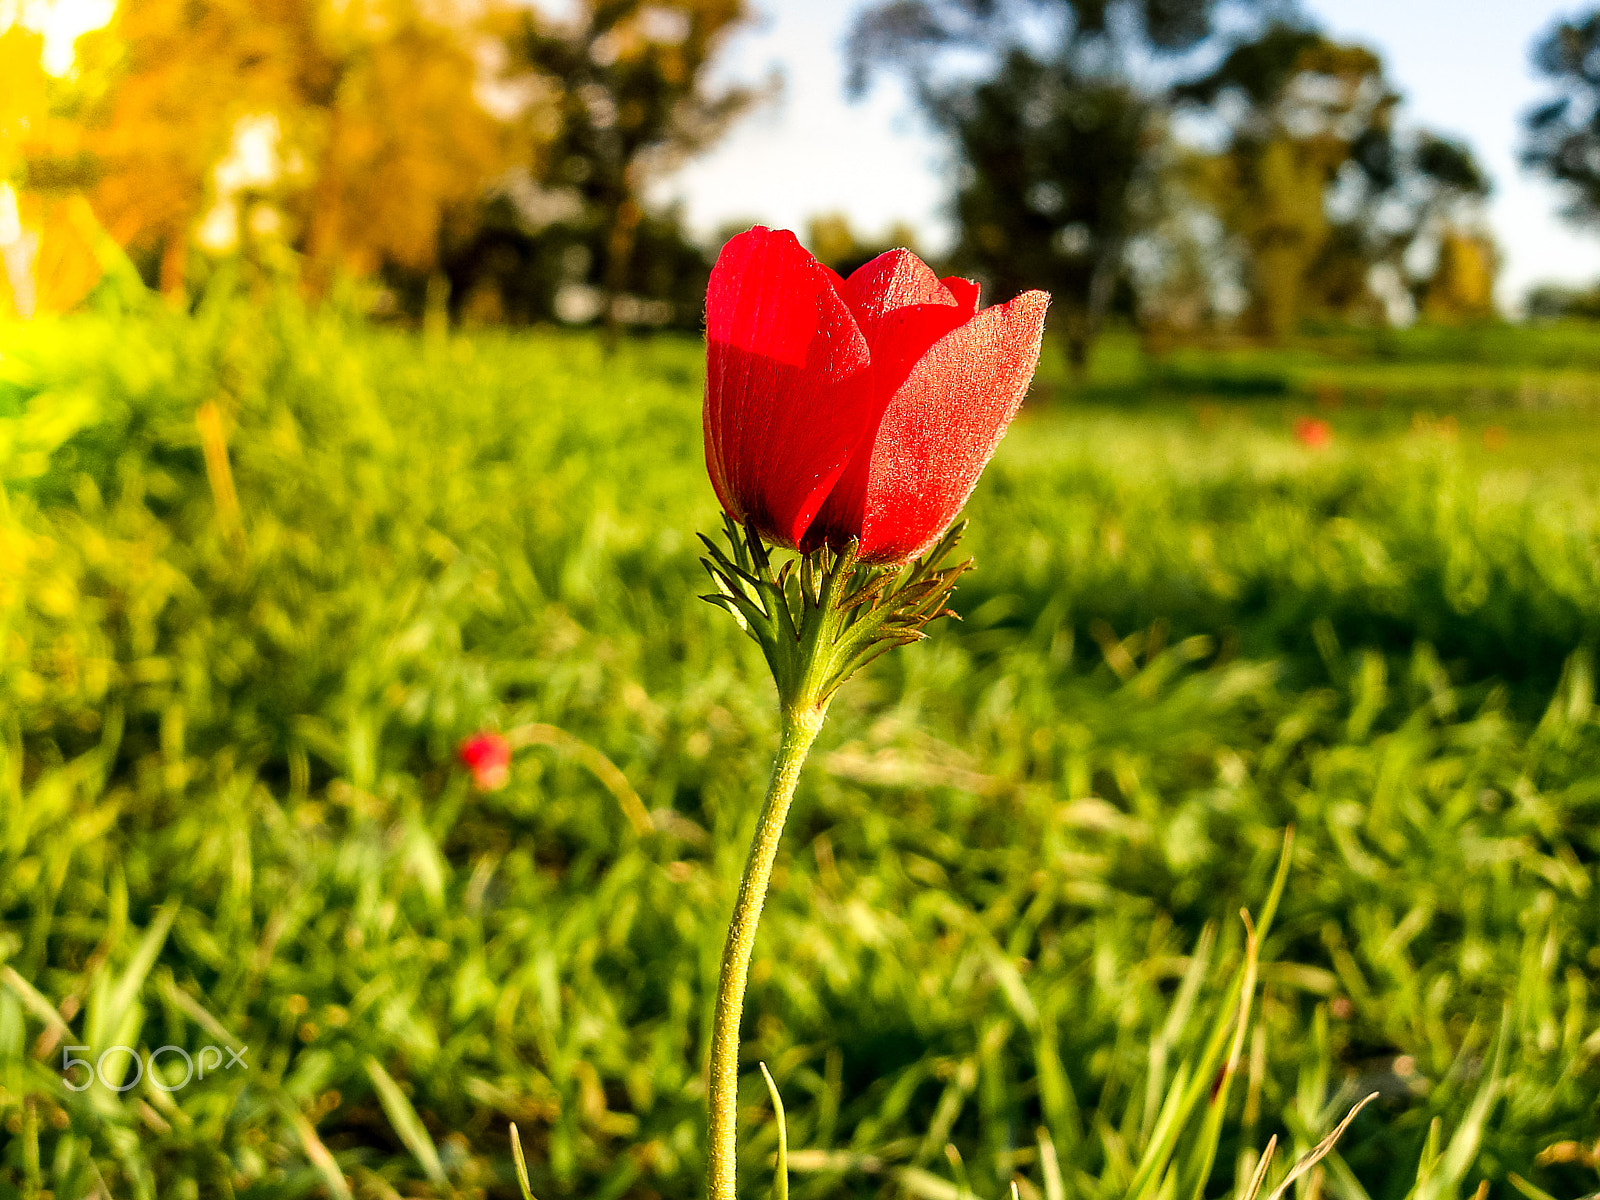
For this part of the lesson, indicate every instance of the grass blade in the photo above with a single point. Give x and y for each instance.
(780, 1172)
(1322, 1149)
(520, 1163)
(406, 1123)
(319, 1155)
(1260, 1175)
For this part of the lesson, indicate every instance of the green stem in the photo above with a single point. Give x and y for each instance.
(800, 726)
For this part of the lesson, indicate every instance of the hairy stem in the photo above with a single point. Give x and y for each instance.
(800, 726)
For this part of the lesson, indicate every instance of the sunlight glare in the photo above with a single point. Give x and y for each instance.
(61, 21)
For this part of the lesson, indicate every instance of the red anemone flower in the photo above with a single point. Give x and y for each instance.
(488, 757)
(855, 408)
(1313, 432)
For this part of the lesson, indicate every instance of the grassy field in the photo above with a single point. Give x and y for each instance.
(237, 652)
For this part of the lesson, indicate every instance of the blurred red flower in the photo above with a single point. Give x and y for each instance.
(1313, 432)
(864, 407)
(488, 757)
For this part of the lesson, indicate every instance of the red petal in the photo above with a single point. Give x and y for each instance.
(965, 291)
(902, 309)
(937, 434)
(896, 279)
(902, 338)
(788, 383)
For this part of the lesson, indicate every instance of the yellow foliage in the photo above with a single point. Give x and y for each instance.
(182, 74)
(41, 145)
(23, 91)
(1274, 200)
(48, 260)
(58, 263)
(1270, 187)
(379, 129)
(1463, 283)
(401, 141)
(831, 238)
(16, 551)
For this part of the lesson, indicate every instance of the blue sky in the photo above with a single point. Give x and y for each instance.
(1462, 66)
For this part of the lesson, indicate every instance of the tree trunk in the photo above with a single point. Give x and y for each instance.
(1102, 288)
(174, 266)
(436, 306)
(1078, 340)
(619, 257)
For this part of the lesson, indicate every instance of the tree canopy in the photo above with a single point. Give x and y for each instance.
(379, 137)
(630, 99)
(1339, 210)
(1061, 136)
(1063, 117)
(1563, 133)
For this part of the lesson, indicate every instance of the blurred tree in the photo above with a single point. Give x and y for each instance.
(1061, 176)
(1462, 283)
(1061, 136)
(24, 101)
(630, 99)
(22, 111)
(1443, 189)
(48, 254)
(1335, 213)
(175, 76)
(1563, 134)
(357, 135)
(1180, 274)
(345, 130)
(1555, 301)
(400, 139)
(833, 240)
(1414, 211)
(1304, 107)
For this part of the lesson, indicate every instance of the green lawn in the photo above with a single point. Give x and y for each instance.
(1008, 906)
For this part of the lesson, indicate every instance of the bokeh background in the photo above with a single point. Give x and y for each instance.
(350, 381)
(1188, 166)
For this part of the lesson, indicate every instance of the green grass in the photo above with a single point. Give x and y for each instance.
(1007, 914)
(1516, 378)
